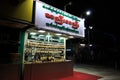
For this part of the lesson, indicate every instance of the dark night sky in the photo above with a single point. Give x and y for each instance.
(104, 17)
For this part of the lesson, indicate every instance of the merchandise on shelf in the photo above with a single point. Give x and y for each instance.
(43, 51)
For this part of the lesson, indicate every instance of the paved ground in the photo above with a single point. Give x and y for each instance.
(105, 72)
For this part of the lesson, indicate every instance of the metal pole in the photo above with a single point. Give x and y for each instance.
(70, 3)
(88, 36)
(89, 28)
(65, 8)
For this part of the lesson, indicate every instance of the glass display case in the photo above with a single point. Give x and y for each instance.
(44, 47)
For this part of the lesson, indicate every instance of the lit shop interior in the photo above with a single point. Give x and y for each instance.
(45, 50)
(44, 46)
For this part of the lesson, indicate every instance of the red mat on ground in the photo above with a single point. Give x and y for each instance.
(81, 76)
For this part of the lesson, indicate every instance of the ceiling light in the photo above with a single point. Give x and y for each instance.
(33, 33)
(71, 37)
(58, 34)
(41, 31)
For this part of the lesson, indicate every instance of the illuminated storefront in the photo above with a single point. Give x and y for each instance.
(45, 44)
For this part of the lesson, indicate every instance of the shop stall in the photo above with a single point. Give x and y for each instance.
(45, 44)
(39, 48)
(44, 55)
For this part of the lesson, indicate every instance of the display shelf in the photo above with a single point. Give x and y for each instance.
(38, 51)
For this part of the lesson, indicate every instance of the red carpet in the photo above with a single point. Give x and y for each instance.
(81, 76)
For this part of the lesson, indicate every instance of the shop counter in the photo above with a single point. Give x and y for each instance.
(48, 71)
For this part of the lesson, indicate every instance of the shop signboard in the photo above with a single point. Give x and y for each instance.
(53, 19)
(39, 37)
